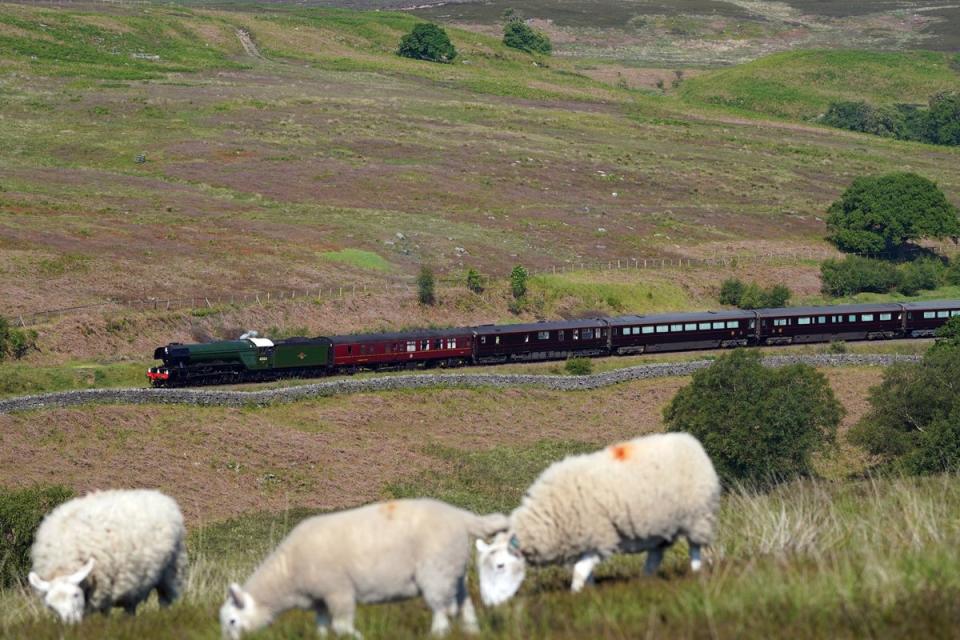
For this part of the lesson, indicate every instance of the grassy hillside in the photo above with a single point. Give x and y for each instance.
(802, 84)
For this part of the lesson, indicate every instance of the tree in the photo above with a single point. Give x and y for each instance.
(758, 424)
(913, 424)
(427, 42)
(518, 35)
(855, 274)
(518, 282)
(14, 342)
(731, 290)
(425, 287)
(878, 214)
(474, 281)
(943, 119)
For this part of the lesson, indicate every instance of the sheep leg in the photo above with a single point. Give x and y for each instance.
(654, 558)
(342, 609)
(468, 615)
(323, 621)
(583, 571)
(695, 562)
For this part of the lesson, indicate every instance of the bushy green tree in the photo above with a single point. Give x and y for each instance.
(878, 214)
(758, 424)
(426, 293)
(861, 116)
(854, 274)
(579, 366)
(913, 423)
(518, 35)
(755, 297)
(21, 511)
(952, 273)
(731, 290)
(474, 281)
(518, 282)
(920, 275)
(427, 42)
(943, 119)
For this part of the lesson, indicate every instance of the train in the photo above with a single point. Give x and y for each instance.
(255, 359)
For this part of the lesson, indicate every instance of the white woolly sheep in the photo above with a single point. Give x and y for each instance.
(632, 497)
(109, 549)
(375, 553)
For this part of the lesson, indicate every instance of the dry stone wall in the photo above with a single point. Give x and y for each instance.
(224, 398)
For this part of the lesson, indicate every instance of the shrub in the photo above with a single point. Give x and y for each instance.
(518, 35)
(579, 366)
(923, 274)
(777, 296)
(913, 424)
(861, 116)
(878, 214)
(854, 274)
(753, 297)
(20, 514)
(425, 287)
(15, 343)
(758, 424)
(731, 291)
(427, 42)
(474, 281)
(952, 274)
(518, 282)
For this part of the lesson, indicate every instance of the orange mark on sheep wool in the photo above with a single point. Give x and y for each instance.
(621, 452)
(389, 508)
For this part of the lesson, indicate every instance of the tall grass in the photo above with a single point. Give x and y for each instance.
(876, 558)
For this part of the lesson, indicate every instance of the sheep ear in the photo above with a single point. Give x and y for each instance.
(482, 546)
(81, 575)
(38, 583)
(236, 595)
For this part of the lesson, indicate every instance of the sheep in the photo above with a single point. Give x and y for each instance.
(379, 552)
(632, 497)
(107, 549)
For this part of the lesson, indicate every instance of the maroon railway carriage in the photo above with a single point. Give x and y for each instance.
(923, 318)
(540, 340)
(404, 349)
(681, 331)
(822, 324)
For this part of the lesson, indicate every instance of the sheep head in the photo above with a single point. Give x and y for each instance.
(240, 614)
(64, 595)
(501, 568)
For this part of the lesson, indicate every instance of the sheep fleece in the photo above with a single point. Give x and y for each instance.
(371, 554)
(616, 499)
(135, 536)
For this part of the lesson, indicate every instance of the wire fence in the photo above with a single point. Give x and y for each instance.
(327, 292)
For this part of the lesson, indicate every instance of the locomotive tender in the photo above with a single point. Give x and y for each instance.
(257, 359)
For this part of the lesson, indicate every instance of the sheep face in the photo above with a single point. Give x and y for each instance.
(501, 568)
(63, 595)
(239, 614)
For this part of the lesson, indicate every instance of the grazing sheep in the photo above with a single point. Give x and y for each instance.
(109, 549)
(631, 497)
(375, 553)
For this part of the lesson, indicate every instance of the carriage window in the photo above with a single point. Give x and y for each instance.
(438, 344)
(560, 335)
(852, 317)
(781, 322)
(943, 314)
(955, 313)
(886, 316)
(543, 335)
(526, 337)
(836, 319)
(483, 339)
(349, 348)
(576, 334)
(411, 346)
(588, 334)
(425, 345)
(867, 317)
(496, 340)
(822, 320)
(648, 329)
(704, 326)
(928, 314)
(676, 327)
(602, 333)
(662, 328)
(718, 325)
(753, 323)
(690, 327)
(733, 324)
(451, 343)
(803, 320)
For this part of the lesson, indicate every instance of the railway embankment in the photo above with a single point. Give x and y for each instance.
(232, 398)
